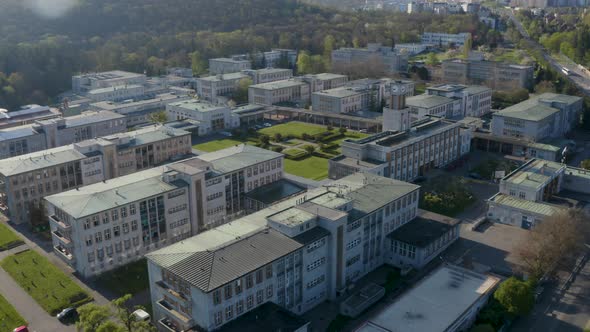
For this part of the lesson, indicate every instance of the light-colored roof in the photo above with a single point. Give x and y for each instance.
(435, 303)
(427, 101)
(103, 196)
(524, 205)
(39, 160)
(534, 173)
(223, 77)
(277, 85)
(537, 107)
(17, 132)
(114, 88)
(85, 118)
(238, 157)
(197, 106)
(341, 92)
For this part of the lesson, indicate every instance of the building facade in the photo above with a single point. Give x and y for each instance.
(82, 84)
(210, 118)
(211, 87)
(296, 254)
(287, 91)
(27, 114)
(51, 133)
(234, 64)
(445, 39)
(476, 101)
(28, 178)
(496, 75)
(267, 75)
(392, 60)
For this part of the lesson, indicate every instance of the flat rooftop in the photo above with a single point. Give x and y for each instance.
(110, 75)
(424, 229)
(435, 303)
(238, 157)
(537, 107)
(278, 85)
(11, 133)
(544, 208)
(276, 191)
(341, 92)
(327, 76)
(428, 101)
(534, 173)
(157, 100)
(197, 106)
(114, 88)
(39, 160)
(223, 77)
(88, 117)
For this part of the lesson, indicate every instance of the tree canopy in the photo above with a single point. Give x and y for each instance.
(516, 296)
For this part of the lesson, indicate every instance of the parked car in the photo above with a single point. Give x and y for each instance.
(21, 329)
(67, 314)
(141, 315)
(226, 133)
(267, 124)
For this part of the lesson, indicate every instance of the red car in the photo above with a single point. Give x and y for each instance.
(21, 329)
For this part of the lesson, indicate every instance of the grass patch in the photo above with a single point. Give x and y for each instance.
(488, 168)
(48, 285)
(8, 239)
(9, 317)
(295, 154)
(217, 145)
(128, 279)
(313, 167)
(294, 128)
(447, 195)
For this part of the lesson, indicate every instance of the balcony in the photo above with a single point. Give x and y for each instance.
(60, 224)
(168, 325)
(61, 238)
(177, 318)
(64, 253)
(172, 292)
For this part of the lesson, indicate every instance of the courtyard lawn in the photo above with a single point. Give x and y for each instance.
(128, 279)
(347, 135)
(9, 317)
(314, 168)
(294, 128)
(7, 238)
(217, 145)
(48, 285)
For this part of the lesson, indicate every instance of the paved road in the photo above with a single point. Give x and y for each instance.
(577, 74)
(563, 307)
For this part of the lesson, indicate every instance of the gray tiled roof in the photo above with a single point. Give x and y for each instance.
(238, 157)
(39, 160)
(533, 110)
(428, 101)
(208, 269)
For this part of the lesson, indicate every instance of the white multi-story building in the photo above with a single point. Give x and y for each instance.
(297, 254)
(339, 100)
(324, 81)
(116, 93)
(292, 90)
(425, 105)
(28, 178)
(402, 154)
(547, 115)
(476, 101)
(229, 65)
(138, 112)
(267, 75)
(392, 60)
(82, 84)
(27, 114)
(51, 133)
(445, 39)
(411, 49)
(102, 226)
(210, 118)
(211, 87)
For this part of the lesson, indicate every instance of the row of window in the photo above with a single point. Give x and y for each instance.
(214, 196)
(116, 231)
(315, 264)
(269, 179)
(178, 208)
(99, 253)
(108, 217)
(178, 223)
(263, 167)
(239, 305)
(316, 244)
(236, 287)
(316, 281)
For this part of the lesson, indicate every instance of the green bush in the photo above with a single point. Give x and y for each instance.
(295, 154)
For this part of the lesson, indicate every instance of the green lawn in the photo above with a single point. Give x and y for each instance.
(7, 238)
(294, 128)
(129, 279)
(9, 317)
(48, 285)
(349, 134)
(217, 144)
(314, 168)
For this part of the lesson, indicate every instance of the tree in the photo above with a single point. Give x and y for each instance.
(278, 137)
(310, 149)
(264, 139)
(585, 164)
(431, 59)
(158, 117)
(92, 316)
(125, 315)
(356, 43)
(198, 64)
(110, 326)
(555, 240)
(467, 47)
(516, 296)
(329, 42)
(303, 63)
(241, 94)
(342, 130)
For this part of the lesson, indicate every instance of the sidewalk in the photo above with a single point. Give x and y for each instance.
(38, 320)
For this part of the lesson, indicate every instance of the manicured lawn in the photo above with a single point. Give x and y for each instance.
(48, 285)
(217, 144)
(129, 279)
(347, 135)
(9, 317)
(313, 167)
(294, 128)
(7, 238)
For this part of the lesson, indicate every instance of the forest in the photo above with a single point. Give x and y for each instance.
(41, 48)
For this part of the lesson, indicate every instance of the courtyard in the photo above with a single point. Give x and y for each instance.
(307, 147)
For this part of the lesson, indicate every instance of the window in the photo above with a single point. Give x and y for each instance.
(522, 195)
(238, 286)
(105, 218)
(117, 231)
(249, 302)
(107, 234)
(86, 224)
(115, 215)
(259, 296)
(268, 291)
(316, 264)
(259, 276)
(218, 318)
(316, 244)
(353, 243)
(268, 271)
(229, 311)
(98, 237)
(316, 281)
(125, 228)
(109, 251)
(127, 244)
(123, 212)
(249, 281)
(216, 297)
(91, 257)
(132, 209)
(89, 240)
(240, 307)
(118, 247)
(353, 260)
(133, 225)
(227, 292)
(136, 241)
